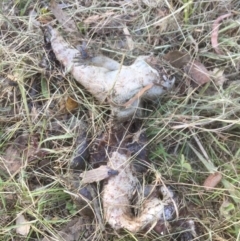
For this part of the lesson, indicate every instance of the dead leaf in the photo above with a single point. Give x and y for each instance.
(214, 35)
(97, 174)
(22, 150)
(212, 181)
(71, 104)
(97, 18)
(23, 227)
(12, 159)
(218, 76)
(198, 72)
(13, 155)
(177, 59)
(66, 22)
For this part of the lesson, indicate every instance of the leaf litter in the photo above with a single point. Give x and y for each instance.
(195, 70)
(19, 154)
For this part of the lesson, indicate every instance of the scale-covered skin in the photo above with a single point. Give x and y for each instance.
(118, 194)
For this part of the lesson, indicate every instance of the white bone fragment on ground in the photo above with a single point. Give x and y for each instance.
(110, 81)
(118, 193)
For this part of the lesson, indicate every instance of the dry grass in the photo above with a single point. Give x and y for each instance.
(192, 132)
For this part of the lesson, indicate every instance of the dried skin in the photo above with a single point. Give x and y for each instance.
(118, 194)
(108, 80)
(124, 88)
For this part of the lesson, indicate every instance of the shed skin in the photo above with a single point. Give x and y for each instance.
(116, 84)
(118, 194)
(109, 81)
